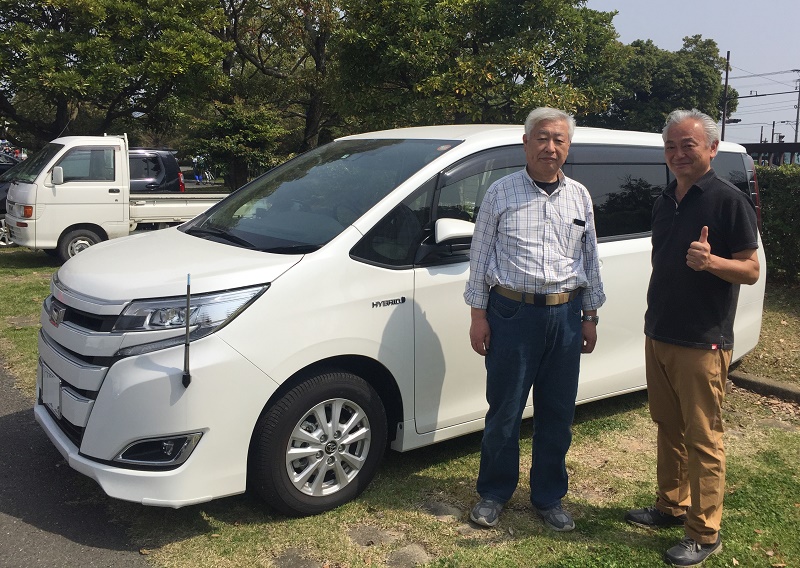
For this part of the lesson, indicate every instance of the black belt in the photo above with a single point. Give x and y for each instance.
(538, 299)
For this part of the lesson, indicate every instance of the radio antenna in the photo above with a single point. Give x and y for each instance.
(187, 377)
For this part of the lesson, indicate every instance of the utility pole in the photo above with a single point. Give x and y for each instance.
(797, 106)
(725, 97)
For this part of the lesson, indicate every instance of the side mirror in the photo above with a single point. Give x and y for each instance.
(449, 229)
(58, 175)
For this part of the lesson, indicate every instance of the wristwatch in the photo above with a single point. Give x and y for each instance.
(595, 319)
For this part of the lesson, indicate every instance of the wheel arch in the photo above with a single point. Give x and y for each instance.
(373, 372)
(96, 229)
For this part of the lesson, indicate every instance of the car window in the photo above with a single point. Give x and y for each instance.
(622, 195)
(456, 194)
(27, 170)
(394, 241)
(730, 166)
(463, 186)
(145, 166)
(311, 199)
(88, 164)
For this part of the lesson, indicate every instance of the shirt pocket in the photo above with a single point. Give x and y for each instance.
(572, 237)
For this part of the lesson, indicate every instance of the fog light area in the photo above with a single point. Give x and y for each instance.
(160, 452)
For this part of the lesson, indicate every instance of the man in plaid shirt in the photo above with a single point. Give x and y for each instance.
(534, 290)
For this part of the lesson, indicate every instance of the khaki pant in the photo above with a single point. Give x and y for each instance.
(685, 388)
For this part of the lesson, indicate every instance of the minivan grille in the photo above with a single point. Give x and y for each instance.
(85, 320)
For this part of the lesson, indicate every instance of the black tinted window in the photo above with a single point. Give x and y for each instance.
(622, 194)
(145, 166)
(730, 166)
(395, 239)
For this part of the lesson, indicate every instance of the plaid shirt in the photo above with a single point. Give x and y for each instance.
(528, 241)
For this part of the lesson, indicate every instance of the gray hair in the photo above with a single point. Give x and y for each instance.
(542, 114)
(709, 124)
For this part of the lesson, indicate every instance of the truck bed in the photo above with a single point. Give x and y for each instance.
(170, 207)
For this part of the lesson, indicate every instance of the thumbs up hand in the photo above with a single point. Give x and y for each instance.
(699, 253)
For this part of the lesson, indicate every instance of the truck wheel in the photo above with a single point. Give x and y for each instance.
(319, 446)
(5, 237)
(76, 241)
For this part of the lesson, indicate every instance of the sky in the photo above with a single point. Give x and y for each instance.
(763, 39)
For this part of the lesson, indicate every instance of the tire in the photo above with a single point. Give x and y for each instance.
(5, 237)
(76, 241)
(298, 467)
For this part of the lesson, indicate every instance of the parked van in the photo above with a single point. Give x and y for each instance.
(283, 338)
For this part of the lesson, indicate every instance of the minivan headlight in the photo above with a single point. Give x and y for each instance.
(207, 313)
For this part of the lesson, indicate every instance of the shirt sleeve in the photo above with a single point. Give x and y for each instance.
(743, 224)
(594, 297)
(481, 250)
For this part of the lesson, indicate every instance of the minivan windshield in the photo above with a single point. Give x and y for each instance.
(301, 205)
(27, 170)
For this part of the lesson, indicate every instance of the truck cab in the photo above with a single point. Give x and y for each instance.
(71, 194)
(81, 190)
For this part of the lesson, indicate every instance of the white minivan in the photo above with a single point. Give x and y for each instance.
(283, 338)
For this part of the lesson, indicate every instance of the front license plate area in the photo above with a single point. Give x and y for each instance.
(51, 390)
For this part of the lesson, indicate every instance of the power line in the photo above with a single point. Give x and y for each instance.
(766, 76)
(777, 105)
(763, 108)
(763, 74)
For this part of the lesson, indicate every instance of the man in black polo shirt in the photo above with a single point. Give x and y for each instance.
(705, 240)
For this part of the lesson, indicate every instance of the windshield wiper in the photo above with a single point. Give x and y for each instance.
(214, 232)
(294, 249)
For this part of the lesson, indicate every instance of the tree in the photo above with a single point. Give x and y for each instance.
(423, 61)
(654, 82)
(89, 63)
(240, 139)
(284, 47)
(276, 100)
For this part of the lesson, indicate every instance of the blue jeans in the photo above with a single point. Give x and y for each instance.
(530, 347)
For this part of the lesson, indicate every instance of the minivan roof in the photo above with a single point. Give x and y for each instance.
(492, 134)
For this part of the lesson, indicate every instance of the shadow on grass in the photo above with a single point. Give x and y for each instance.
(24, 258)
(406, 484)
(407, 481)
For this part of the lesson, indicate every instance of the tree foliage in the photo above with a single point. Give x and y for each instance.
(780, 210)
(284, 46)
(654, 82)
(253, 82)
(240, 140)
(426, 61)
(92, 62)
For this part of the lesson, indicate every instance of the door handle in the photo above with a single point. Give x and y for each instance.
(113, 190)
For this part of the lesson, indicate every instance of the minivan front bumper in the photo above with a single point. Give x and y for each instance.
(142, 398)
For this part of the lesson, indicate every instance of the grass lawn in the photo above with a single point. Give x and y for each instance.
(777, 355)
(419, 501)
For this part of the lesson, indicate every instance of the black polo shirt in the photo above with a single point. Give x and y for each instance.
(684, 306)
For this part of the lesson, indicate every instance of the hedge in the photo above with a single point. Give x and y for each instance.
(780, 215)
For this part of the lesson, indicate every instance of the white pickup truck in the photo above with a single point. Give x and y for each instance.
(80, 190)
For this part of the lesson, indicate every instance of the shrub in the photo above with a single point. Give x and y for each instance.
(780, 214)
